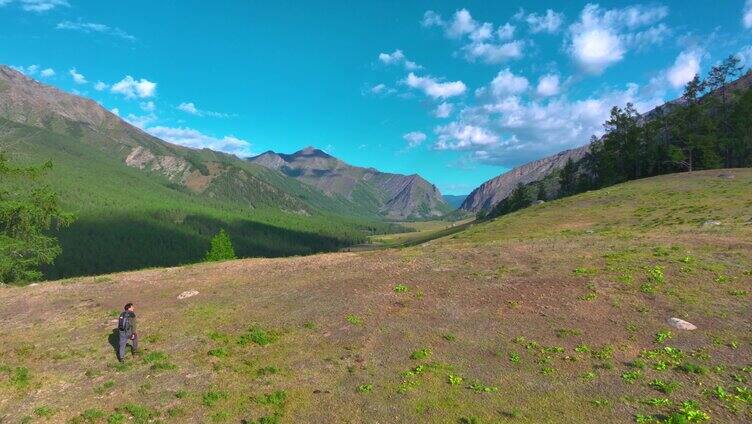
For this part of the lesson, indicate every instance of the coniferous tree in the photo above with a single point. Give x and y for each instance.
(27, 213)
(221, 248)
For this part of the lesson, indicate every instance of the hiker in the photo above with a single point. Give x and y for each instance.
(127, 331)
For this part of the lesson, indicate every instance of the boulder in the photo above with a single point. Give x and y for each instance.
(680, 324)
(711, 223)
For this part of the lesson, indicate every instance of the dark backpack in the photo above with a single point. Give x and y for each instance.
(124, 321)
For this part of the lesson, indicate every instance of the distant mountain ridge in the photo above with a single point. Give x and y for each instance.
(455, 200)
(498, 188)
(394, 196)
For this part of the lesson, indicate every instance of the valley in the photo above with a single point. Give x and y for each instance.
(554, 313)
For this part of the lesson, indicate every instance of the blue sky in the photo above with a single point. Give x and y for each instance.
(457, 92)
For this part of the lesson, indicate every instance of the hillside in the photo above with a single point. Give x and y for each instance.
(716, 122)
(394, 196)
(498, 188)
(141, 201)
(555, 313)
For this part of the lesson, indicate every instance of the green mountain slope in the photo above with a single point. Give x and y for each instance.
(143, 202)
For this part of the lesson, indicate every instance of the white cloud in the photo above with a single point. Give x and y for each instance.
(506, 32)
(431, 18)
(507, 83)
(462, 23)
(132, 88)
(190, 137)
(78, 78)
(147, 106)
(493, 53)
(548, 85)
(684, 69)
(745, 56)
(414, 138)
(116, 111)
(99, 86)
(601, 38)
(443, 110)
(510, 130)
(479, 41)
(47, 72)
(41, 5)
(435, 89)
(89, 27)
(747, 14)
(460, 136)
(190, 107)
(4, 2)
(141, 121)
(397, 57)
(391, 58)
(549, 23)
(28, 70)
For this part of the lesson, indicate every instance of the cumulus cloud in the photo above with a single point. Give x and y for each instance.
(381, 88)
(147, 106)
(443, 110)
(193, 138)
(506, 83)
(78, 78)
(684, 69)
(116, 111)
(414, 138)
(509, 130)
(601, 37)
(480, 41)
(89, 27)
(132, 88)
(461, 136)
(397, 57)
(493, 53)
(190, 107)
(747, 14)
(549, 23)
(47, 72)
(548, 85)
(506, 31)
(99, 86)
(434, 88)
(140, 121)
(745, 56)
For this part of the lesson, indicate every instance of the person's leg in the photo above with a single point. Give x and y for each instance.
(134, 344)
(122, 341)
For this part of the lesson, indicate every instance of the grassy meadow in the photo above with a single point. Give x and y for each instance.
(555, 313)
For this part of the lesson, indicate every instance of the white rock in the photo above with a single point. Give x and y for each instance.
(187, 294)
(711, 223)
(680, 324)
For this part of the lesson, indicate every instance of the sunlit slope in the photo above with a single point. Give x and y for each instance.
(557, 313)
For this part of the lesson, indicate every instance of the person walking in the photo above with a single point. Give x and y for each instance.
(127, 331)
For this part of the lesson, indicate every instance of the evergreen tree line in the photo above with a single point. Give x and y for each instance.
(709, 127)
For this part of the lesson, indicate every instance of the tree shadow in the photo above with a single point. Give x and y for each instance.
(114, 339)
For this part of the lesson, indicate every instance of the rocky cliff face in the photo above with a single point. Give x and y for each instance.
(497, 189)
(394, 196)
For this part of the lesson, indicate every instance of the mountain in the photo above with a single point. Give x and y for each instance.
(455, 201)
(142, 202)
(394, 196)
(496, 189)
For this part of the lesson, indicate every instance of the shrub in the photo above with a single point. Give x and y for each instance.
(258, 336)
